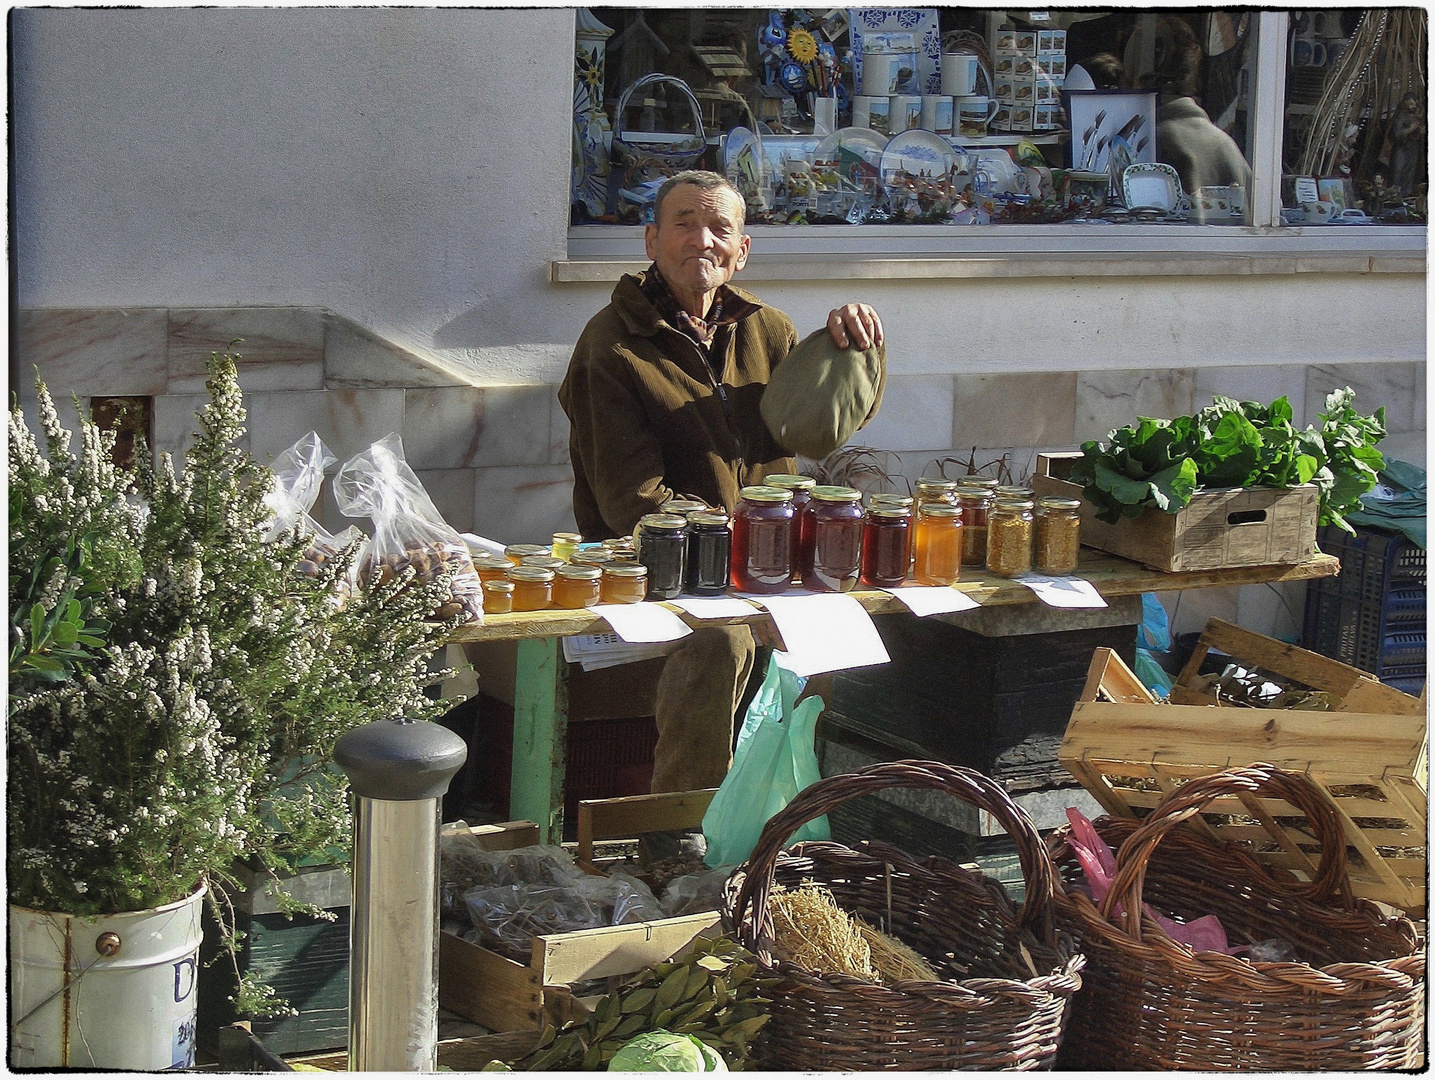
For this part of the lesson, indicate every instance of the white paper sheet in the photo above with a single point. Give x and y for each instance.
(1063, 592)
(933, 599)
(826, 632)
(642, 622)
(714, 607)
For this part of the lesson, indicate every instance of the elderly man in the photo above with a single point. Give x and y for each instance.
(662, 395)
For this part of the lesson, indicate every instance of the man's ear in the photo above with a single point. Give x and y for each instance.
(743, 248)
(650, 239)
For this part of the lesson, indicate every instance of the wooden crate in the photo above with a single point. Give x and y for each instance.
(504, 995)
(1129, 753)
(1220, 527)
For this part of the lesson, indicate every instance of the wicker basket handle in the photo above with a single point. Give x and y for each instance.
(1266, 781)
(968, 785)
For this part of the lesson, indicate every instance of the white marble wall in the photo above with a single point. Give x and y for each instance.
(495, 458)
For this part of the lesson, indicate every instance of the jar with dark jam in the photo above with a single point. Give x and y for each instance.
(663, 548)
(763, 539)
(886, 544)
(801, 488)
(624, 583)
(709, 552)
(976, 504)
(938, 545)
(830, 548)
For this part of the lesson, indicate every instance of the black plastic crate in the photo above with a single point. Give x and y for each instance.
(1373, 615)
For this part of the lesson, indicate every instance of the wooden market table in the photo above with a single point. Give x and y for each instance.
(540, 705)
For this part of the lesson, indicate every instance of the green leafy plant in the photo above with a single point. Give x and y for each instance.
(1161, 463)
(176, 685)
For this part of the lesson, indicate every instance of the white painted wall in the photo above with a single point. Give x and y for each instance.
(408, 169)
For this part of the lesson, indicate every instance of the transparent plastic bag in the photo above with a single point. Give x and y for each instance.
(621, 899)
(510, 916)
(408, 529)
(298, 476)
(692, 893)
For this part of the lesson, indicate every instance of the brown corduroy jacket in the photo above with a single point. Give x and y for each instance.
(650, 419)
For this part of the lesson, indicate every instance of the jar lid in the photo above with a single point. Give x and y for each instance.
(942, 510)
(530, 573)
(590, 558)
(1013, 504)
(1015, 491)
(618, 542)
(889, 510)
(767, 494)
(832, 494)
(788, 481)
(683, 506)
(517, 551)
(663, 521)
(547, 562)
(580, 573)
(1058, 502)
(936, 483)
(973, 480)
(491, 562)
(707, 517)
(889, 498)
(567, 538)
(625, 569)
(498, 585)
(973, 491)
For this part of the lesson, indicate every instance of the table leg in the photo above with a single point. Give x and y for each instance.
(540, 737)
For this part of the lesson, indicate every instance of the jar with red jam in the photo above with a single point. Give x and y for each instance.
(801, 488)
(976, 503)
(763, 539)
(887, 544)
(830, 547)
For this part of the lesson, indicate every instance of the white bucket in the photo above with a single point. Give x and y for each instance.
(134, 1009)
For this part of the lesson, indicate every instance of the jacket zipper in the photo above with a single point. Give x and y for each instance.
(716, 384)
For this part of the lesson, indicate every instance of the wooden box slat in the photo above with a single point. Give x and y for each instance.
(1129, 754)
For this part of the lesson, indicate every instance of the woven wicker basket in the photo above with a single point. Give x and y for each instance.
(1008, 981)
(1355, 999)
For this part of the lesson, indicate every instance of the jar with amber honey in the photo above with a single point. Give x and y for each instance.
(763, 532)
(1009, 530)
(887, 544)
(935, 491)
(497, 596)
(591, 556)
(938, 544)
(831, 545)
(543, 562)
(976, 504)
(532, 588)
(576, 586)
(623, 583)
(492, 567)
(1058, 534)
(518, 552)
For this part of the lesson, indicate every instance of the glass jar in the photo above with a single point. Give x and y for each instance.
(617, 542)
(1057, 534)
(886, 544)
(681, 506)
(623, 583)
(976, 504)
(830, 546)
(889, 498)
(763, 539)
(492, 567)
(497, 596)
(565, 544)
(543, 562)
(576, 586)
(1009, 531)
(517, 552)
(990, 483)
(938, 545)
(662, 548)
(591, 556)
(935, 491)
(801, 488)
(709, 552)
(532, 588)
(1014, 491)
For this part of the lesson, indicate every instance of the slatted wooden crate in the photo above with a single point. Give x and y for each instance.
(1130, 751)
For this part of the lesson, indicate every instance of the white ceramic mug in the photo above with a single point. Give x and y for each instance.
(879, 73)
(937, 114)
(973, 114)
(870, 111)
(959, 74)
(904, 112)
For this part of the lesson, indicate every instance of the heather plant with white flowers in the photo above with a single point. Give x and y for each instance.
(176, 685)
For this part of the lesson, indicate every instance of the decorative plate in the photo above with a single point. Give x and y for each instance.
(863, 142)
(917, 153)
(1150, 186)
(743, 160)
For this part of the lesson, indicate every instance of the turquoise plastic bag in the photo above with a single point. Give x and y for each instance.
(773, 762)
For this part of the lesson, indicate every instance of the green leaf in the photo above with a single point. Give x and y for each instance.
(90, 640)
(37, 623)
(1172, 488)
(1122, 488)
(72, 612)
(45, 663)
(65, 634)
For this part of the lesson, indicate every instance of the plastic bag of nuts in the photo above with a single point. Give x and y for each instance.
(408, 530)
(298, 476)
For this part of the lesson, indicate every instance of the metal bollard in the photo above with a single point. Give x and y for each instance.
(398, 773)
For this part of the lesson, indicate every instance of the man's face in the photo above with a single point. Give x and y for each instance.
(698, 243)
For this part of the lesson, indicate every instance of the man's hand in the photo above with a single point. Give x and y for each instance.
(857, 323)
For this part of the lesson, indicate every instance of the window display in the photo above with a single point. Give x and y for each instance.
(870, 116)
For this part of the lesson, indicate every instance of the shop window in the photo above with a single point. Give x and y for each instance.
(981, 117)
(1356, 127)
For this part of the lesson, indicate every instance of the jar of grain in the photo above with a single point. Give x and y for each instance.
(1009, 531)
(1058, 534)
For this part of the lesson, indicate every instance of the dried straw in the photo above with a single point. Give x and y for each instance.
(895, 961)
(811, 931)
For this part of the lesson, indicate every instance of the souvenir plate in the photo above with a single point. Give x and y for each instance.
(918, 153)
(1151, 186)
(743, 160)
(848, 147)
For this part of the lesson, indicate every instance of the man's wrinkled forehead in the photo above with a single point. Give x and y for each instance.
(722, 201)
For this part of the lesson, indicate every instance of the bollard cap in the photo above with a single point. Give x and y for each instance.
(398, 762)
